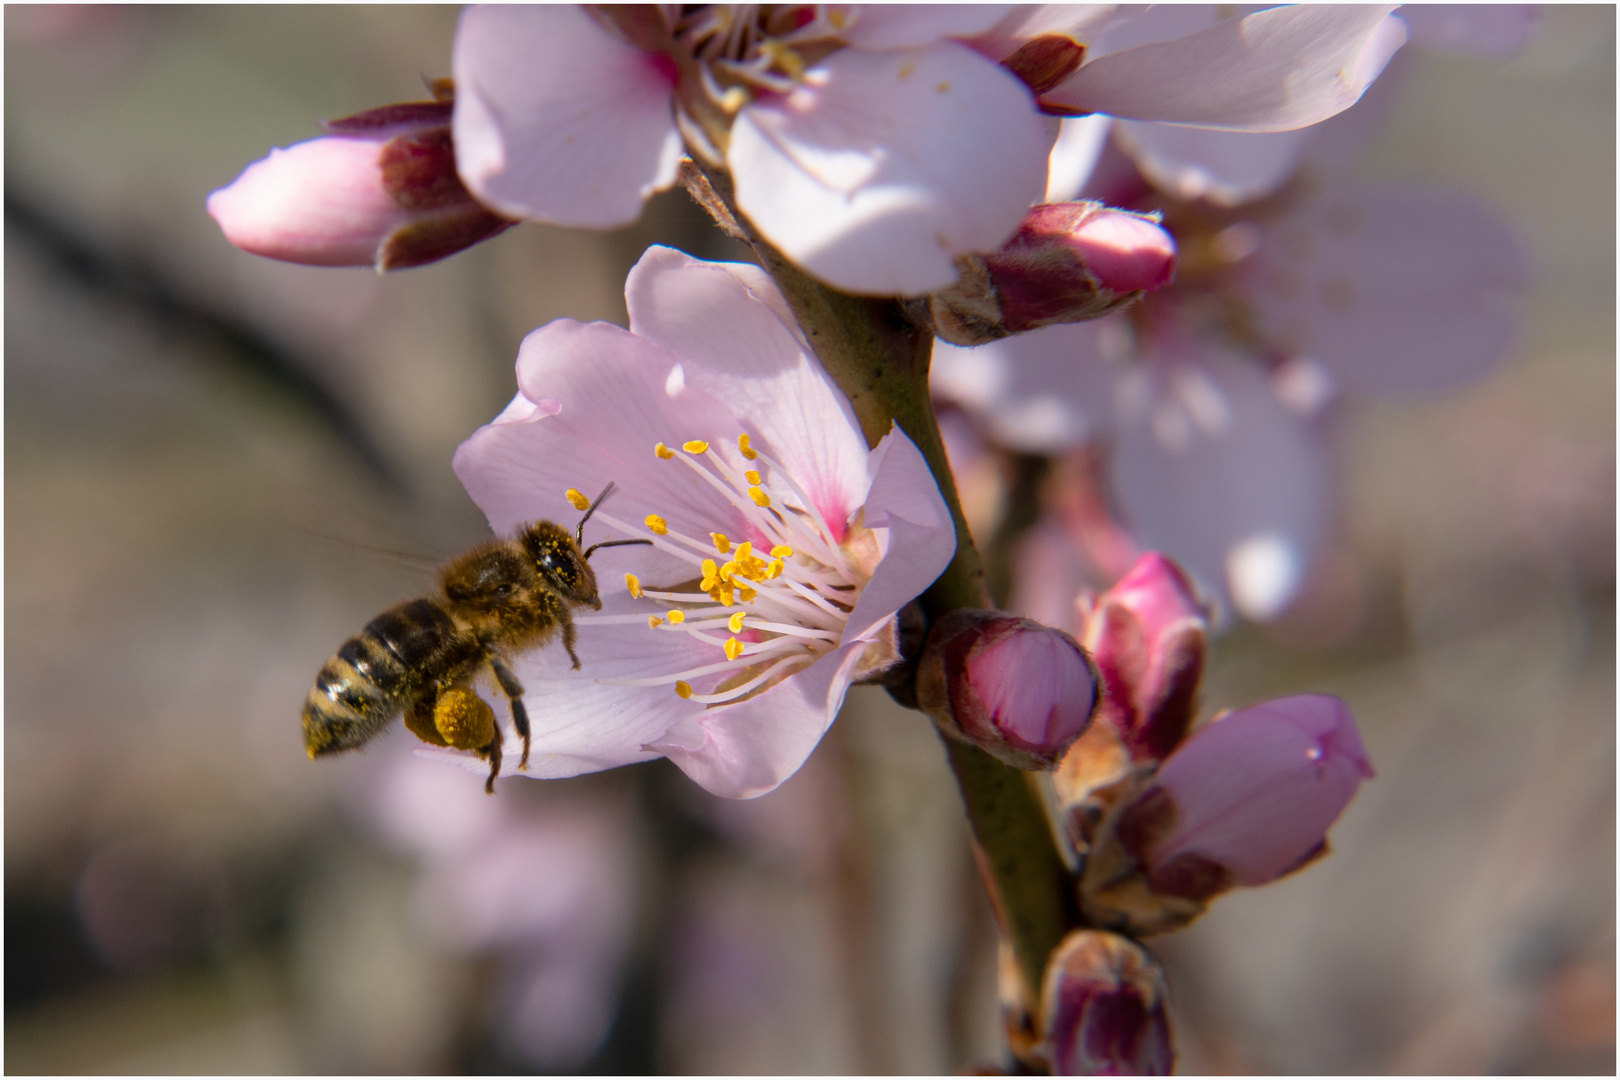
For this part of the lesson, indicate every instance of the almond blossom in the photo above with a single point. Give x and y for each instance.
(780, 546)
(871, 145)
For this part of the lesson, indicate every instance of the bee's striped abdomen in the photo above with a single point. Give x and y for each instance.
(376, 673)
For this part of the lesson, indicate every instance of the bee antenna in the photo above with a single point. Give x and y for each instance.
(614, 543)
(579, 534)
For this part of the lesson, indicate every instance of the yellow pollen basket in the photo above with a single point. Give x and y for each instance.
(576, 498)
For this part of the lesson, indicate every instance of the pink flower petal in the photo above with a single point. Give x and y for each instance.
(914, 531)
(1225, 167)
(557, 119)
(756, 361)
(1397, 291)
(1495, 31)
(883, 166)
(1274, 70)
(1212, 470)
(745, 750)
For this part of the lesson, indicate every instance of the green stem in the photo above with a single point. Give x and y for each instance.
(880, 360)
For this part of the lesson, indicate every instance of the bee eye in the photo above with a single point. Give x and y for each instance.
(503, 589)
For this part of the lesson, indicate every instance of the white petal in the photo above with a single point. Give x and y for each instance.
(1275, 70)
(745, 750)
(558, 120)
(901, 26)
(1210, 469)
(742, 346)
(1397, 291)
(883, 166)
(1079, 144)
(1225, 167)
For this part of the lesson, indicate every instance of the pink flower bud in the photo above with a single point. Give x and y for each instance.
(379, 189)
(1103, 1005)
(1066, 263)
(1148, 635)
(1250, 796)
(1022, 691)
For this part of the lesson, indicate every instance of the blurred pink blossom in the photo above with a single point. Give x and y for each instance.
(379, 189)
(739, 460)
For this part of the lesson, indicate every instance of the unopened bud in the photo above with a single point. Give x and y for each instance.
(379, 189)
(1103, 1008)
(1253, 793)
(1018, 689)
(1067, 262)
(1149, 637)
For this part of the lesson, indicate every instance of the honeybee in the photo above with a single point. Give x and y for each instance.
(420, 657)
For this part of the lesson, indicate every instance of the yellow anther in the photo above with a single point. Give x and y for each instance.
(781, 551)
(745, 551)
(654, 622)
(683, 689)
(747, 451)
(722, 542)
(735, 622)
(753, 476)
(663, 451)
(758, 495)
(733, 648)
(677, 617)
(745, 594)
(696, 446)
(728, 596)
(576, 498)
(775, 571)
(633, 583)
(727, 571)
(710, 569)
(657, 524)
(733, 100)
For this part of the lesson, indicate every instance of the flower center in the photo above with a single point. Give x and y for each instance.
(745, 48)
(771, 603)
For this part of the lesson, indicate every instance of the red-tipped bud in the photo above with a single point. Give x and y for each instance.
(379, 189)
(1251, 795)
(1067, 262)
(1149, 636)
(1020, 690)
(1104, 1008)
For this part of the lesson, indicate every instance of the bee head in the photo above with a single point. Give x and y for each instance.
(560, 564)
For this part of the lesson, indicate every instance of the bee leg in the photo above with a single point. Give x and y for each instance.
(569, 637)
(494, 752)
(514, 693)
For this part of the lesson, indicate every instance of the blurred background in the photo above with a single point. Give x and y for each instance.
(218, 467)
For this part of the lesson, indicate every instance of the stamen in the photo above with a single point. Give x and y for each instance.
(722, 543)
(759, 496)
(663, 451)
(657, 524)
(576, 498)
(683, 688)
(753, 476)
(734, 648)
(633, 583)
(747, 451)
(654, 622)
(676, 617)
(735, 623)
(781, 551)
(695, 446)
